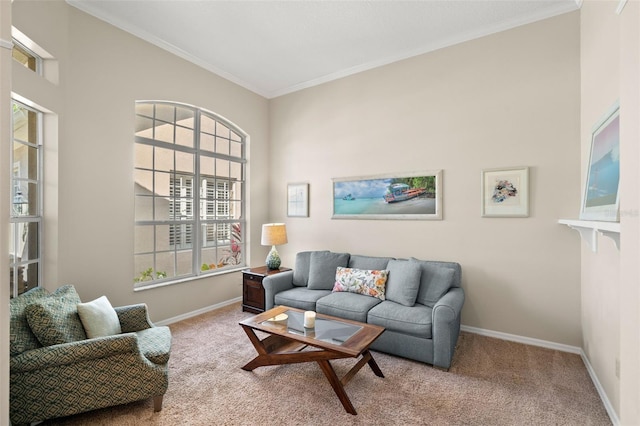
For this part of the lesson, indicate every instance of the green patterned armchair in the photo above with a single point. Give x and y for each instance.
(86, 374)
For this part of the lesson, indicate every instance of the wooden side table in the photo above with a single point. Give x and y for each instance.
(252, 290)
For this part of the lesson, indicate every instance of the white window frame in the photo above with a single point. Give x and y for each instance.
(38, 59)
(195, 212)
(19, 221)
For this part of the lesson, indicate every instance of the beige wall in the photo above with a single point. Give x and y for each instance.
(519, 98)
(610, 295)
(89, 224)
(630, 221)
(509, 99)
(601, 270)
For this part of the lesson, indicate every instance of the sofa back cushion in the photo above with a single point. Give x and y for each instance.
(436, 280)
(301, 269)
(403, 282)
(357, 261)
(21, 338)
(322, 269)
(54, 319)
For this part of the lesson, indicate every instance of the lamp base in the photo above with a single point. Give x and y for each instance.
(273, 259)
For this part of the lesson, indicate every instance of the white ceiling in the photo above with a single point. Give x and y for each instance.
(277, 47)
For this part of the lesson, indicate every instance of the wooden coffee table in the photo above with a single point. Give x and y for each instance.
(331, 338)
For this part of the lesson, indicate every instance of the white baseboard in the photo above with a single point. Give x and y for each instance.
(198, 312)
(557, 346)
(521, 339)
(603, 396)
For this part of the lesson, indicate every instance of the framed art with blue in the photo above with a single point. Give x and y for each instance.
(600, 197)
(413, 195)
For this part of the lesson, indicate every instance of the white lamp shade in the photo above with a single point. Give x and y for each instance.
(274, 234)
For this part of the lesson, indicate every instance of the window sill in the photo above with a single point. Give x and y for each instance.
(589, 230)
(188, 279)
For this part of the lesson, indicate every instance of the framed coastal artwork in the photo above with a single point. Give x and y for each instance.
(298, 200)
(600, 199)
(394, 196)
(505, 192)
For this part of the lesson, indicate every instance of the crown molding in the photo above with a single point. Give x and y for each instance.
(621, 5)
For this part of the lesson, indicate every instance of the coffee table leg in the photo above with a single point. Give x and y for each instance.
(373, 364)
(336, 384)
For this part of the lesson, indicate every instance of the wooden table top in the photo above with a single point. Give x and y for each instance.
(352, 346)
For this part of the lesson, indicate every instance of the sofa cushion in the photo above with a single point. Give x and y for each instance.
(54, 319)
(415, 320)
(435, 281)
(21, 337)
(155, 344)
(361, 281)
(403, 282)
(322, 269)
(347, 305)
(301, 269)
(368, 262)
(300, 297)
(99, 318)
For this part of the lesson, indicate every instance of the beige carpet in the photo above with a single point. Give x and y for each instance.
(491, 382)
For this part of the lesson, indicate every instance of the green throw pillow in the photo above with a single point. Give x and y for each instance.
(54, 319)
(21, 337)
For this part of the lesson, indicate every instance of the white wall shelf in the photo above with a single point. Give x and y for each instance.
(589, 229)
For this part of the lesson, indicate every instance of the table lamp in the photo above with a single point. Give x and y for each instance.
(273, 234)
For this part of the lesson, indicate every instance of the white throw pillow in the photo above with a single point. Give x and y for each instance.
(98, 318)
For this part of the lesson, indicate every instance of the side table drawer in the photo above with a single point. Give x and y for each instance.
(252, 294)
(252, 290)
(253, 278)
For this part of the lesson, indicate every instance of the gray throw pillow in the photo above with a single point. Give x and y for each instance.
(434, 282)
(403, 282)
(301, 269)
(322, 269)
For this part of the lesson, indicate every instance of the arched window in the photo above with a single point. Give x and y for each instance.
(189, 193)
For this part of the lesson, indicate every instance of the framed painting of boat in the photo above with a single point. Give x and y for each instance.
(398, 196)
(600, 200)
(505, 192)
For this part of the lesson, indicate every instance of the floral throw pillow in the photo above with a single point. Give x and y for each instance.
(362, 281)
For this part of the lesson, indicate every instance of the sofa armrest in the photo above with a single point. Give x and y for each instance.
(448, 308)
(133, 317)
(274, 284)
(446, 326)
(74, 352)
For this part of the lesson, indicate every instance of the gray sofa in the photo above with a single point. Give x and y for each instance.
(420, 310)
